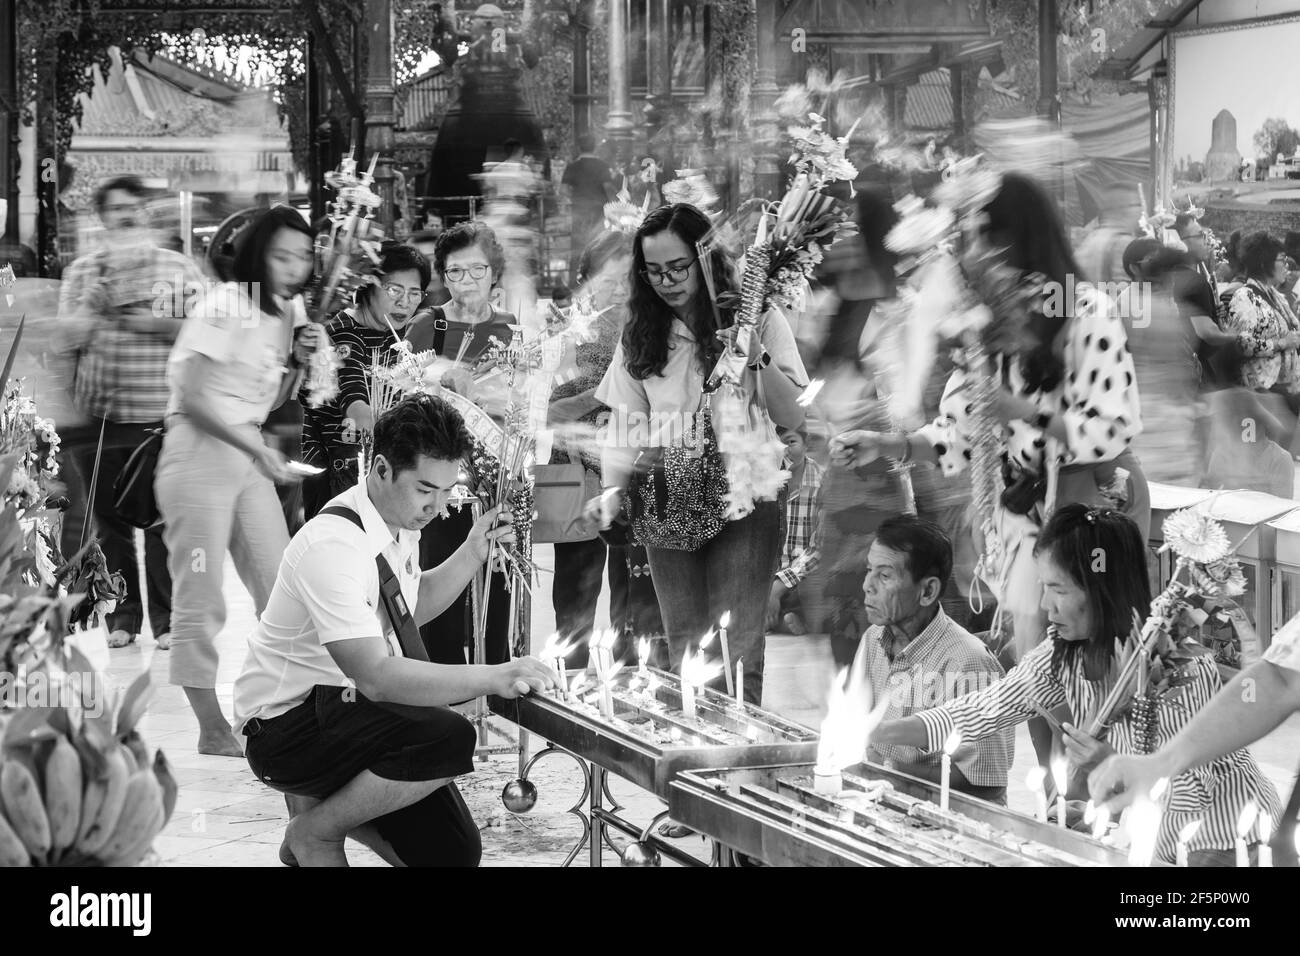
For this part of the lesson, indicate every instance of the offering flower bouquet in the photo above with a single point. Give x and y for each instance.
(1152, 665)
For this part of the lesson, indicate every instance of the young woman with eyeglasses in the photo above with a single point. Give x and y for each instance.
(332, 433)
(670, 345)
(470, 261)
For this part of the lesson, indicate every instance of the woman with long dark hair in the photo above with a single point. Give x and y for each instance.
(604, 270)
(670, 345)
(1090, 603)
(362, 335)
(238, 358)
(861, 367)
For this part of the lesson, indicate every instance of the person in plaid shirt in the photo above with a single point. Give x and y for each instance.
(919, 658)
(120, 310)
(800, 553)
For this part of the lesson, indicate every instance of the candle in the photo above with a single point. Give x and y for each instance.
(1036, 781)
(688, 700)
(1244, 823)
(563, 677)
(643, 655)
(945, 769)
(723, 623)
(1184, 838)
(1101, 823)
(361, 467)
(1265, 832)
(1060, 777)
(740, 683)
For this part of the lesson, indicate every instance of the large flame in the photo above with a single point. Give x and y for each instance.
(697, 671)
(850, 720)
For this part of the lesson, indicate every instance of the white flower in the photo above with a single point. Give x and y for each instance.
(1194, 535)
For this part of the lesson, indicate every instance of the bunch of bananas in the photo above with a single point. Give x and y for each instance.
(78, 786)
(59, 807)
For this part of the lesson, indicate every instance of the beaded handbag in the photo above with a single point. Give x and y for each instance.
(678, 496)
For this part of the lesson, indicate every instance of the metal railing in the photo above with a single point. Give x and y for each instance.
(422, 98)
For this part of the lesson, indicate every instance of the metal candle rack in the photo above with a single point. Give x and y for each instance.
(647, 740)
(879, 818)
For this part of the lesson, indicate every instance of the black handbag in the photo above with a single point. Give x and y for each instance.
(133, 494)
(678, 499)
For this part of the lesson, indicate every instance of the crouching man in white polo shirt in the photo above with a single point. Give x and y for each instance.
(342, 709)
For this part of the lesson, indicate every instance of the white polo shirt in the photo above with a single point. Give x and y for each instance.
(327, 589)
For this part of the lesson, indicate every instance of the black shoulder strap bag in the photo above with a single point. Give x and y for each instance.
(390, 595)
(399, 616)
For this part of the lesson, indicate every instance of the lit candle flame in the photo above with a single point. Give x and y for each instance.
(850, 719)
(578, 683)
(555, 648)
(1143, 820)
(1186, 833)
(697, 671)
(643, 651)
(709, 637)
(724, 622)
(1247, 819)
(952, 743)
(1036, 778)
(1090, 812)
(1159, 789)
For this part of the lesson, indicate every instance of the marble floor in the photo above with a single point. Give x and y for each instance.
(225, 817)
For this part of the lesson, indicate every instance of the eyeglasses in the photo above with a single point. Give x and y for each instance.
(668, 276)
(476, 271)
(397, 293)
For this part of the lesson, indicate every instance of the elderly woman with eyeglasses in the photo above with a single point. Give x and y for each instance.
(331, 434)
(1268, 331)
(470, 261)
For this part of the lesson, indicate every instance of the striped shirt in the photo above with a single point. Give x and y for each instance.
(941, 663)
(121, 373)
(799, 555)
(324, 436)
(1214, 793)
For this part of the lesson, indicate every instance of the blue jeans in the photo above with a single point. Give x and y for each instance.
(733, 572)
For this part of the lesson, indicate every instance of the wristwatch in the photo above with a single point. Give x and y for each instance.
(763, 361)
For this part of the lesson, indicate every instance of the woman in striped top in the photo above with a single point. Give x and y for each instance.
(1092, 566)
(331, 434)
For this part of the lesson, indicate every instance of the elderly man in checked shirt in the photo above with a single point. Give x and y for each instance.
(919, 658)
(120, 311)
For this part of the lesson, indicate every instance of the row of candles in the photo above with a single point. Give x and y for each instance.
(1144, 821)
(696, 671)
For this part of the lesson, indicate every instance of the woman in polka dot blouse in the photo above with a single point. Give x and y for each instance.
(1069, 398)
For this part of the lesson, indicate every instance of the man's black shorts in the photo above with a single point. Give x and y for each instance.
(320, 745)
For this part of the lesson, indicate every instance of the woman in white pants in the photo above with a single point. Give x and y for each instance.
(237, 359)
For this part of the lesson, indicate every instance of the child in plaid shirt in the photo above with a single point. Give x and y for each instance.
(799, 553)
